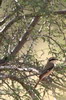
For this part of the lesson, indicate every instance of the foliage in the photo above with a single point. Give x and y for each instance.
(26, 28)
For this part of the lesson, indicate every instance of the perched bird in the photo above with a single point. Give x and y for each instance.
(47, 70)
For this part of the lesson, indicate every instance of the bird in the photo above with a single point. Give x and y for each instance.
(51, 63)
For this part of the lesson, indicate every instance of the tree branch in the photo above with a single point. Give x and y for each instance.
(0, 2)
(31, 91)
(26, 69)
(25, 36)
(60, 12)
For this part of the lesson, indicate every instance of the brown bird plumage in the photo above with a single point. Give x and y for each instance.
(48, 69)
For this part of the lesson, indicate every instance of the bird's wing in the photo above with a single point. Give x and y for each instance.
(47, 69)
(49, 66)
(46, 72)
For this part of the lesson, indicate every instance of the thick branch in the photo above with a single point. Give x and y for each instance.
(25, 36)
(5, 27)
(27, 33)
(60, 12)
(3, 68)
(5, 19)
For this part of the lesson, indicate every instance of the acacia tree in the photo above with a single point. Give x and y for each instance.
(26, 21)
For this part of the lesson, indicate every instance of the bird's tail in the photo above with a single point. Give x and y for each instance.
(37, 83)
